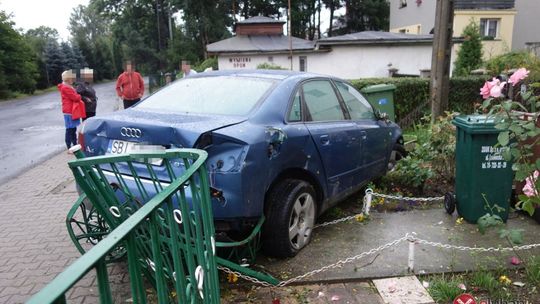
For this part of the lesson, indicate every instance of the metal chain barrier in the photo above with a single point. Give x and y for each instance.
(410, 237)
(367, 205)
(324, 268)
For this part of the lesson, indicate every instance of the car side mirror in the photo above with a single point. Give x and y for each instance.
(381, 115)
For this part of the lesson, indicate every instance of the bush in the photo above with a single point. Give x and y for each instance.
(469, 56)
(211, 62)
(269, 66)
(412, 93)
(515, 60)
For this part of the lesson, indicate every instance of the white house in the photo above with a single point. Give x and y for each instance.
(360, 55)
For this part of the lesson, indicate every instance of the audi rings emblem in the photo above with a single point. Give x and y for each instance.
(130, 132)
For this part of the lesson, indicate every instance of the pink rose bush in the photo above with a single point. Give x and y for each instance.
(530, 185)
(518, 76)
(493, 88)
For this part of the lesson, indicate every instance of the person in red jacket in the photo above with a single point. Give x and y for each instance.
(130, 86)
(72, 107)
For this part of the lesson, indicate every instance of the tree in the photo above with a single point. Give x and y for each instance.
(55, 60)
(38, 39)
(469, 56)
(364, 15)
(331, 5)
(18, 70)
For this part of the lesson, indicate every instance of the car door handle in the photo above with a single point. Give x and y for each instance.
(324, 139)
(363, 135)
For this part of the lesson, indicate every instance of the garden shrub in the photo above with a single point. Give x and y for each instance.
(414, 92)
(515, 60)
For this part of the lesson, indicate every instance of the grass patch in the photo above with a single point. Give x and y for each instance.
(444, 288)
(532, 271)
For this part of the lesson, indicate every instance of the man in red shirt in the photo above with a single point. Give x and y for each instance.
(130, 86)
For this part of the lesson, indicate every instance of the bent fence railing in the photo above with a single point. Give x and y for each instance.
(169, 239)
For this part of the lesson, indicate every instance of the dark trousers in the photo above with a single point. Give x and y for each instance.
(71, 137)
(130, 103)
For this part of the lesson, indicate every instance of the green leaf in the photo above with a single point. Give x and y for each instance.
(514, 235)
(507, 105)
(506, 154)
(528, 206)
(503, 138)
(521, 175)
(529, 126)
(516, 129)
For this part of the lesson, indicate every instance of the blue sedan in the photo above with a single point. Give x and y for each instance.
(282, 144)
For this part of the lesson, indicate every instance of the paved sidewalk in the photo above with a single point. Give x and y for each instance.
(35, 247)
(34, 243)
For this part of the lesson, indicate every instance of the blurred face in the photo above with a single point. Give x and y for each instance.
(88, 77)
(129, 67)
(186, 67)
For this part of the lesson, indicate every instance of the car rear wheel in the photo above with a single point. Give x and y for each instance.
(398, 152)
(290, 219)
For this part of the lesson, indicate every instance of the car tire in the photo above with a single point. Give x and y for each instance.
(290, 218)
(398, 152)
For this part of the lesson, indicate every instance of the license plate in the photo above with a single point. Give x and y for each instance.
(117, 147)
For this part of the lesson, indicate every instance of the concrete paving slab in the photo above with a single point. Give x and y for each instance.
(349, 239)
(403, 290)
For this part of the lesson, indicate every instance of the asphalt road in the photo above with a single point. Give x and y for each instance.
(32, 128)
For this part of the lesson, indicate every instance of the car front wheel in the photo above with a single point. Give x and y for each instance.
(290, 219)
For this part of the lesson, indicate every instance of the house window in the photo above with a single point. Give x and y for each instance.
(489, 27)
(303, 63)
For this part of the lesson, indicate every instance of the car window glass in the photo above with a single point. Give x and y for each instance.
(321, 101)
(296, 109)
(225, 95)
(358, 106)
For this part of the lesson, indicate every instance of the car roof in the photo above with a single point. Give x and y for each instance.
(267, 74)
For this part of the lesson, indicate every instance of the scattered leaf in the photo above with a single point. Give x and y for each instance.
(518, 284)
(335, 298)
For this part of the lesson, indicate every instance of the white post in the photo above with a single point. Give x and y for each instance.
(367, 202)
(411, 256)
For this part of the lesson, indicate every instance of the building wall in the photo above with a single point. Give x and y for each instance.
(503, 42)
(526, 23)
(410, 16)
(347, 61)
(251, 61)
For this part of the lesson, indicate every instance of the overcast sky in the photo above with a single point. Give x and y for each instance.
(28, 14)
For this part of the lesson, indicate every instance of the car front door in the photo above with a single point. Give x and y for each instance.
(334, 134)
(375, 134)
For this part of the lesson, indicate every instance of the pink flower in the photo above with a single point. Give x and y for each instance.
(530, 188)
(496, 89)
(515, 260)
(518, 76)
(484, 91)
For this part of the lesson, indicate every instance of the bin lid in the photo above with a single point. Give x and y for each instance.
(378, 88)
(476, 123)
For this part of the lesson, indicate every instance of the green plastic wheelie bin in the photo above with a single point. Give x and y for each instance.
(483, 176)
(381, 97)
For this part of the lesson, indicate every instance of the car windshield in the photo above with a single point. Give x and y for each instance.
(225, 95)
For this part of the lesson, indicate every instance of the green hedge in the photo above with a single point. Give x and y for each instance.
(412, 92)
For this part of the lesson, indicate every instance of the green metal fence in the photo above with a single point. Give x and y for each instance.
(169, 239)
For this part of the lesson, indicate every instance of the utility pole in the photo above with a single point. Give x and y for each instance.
(290, 34)
(440, 58)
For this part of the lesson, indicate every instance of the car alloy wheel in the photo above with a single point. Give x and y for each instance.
(290, 218)
(302, 221)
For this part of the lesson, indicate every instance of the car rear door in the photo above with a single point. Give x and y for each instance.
(375, 134)
(334, 134)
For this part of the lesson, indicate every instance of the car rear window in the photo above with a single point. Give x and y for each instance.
(225, 95)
